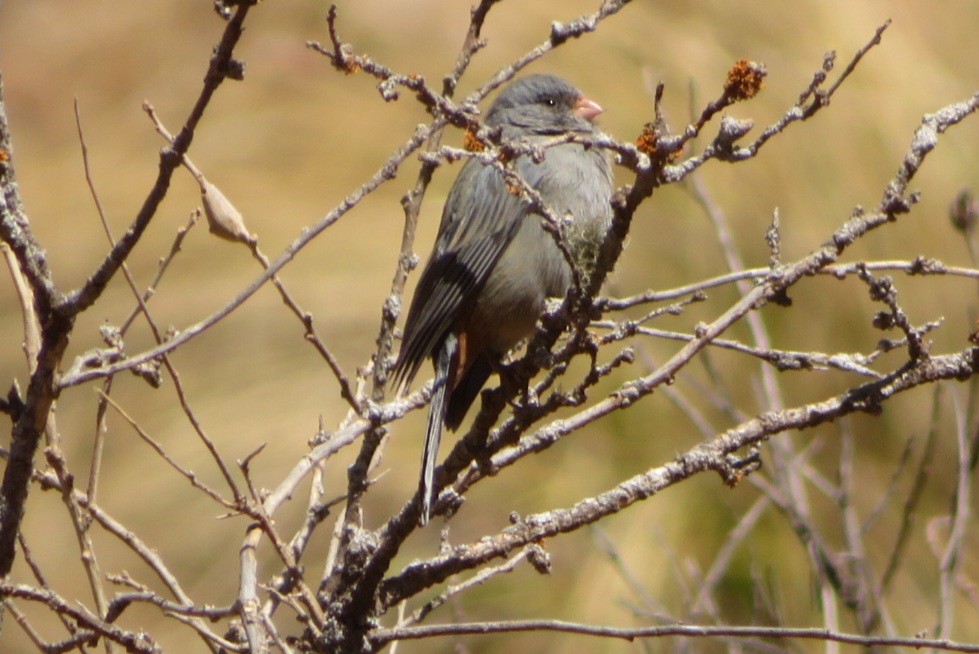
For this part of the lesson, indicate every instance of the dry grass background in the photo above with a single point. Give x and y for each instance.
(288, 143)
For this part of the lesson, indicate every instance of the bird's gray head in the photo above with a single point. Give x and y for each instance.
(542, 104)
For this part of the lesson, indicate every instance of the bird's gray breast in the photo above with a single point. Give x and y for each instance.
(576, 183)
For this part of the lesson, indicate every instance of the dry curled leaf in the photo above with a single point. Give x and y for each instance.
(964, 212)
(223, 219)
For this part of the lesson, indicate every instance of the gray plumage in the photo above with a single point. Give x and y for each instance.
(493, 265)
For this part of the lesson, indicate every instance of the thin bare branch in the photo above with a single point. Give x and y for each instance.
(384, 636)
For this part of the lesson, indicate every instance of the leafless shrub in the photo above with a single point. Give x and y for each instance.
(358, 600)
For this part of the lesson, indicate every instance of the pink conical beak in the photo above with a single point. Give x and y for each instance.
(587, 109)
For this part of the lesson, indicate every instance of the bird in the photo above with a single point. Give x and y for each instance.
(493, 265)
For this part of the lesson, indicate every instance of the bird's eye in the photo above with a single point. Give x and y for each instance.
(550, 102)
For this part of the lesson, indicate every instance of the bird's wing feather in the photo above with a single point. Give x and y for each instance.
(479, 221)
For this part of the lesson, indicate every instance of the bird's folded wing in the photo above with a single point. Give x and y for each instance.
(480, 219)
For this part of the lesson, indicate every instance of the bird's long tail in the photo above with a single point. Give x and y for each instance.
(446, 365)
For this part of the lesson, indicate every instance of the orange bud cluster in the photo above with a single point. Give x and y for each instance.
(472, 143)
(745, 80)
(648, 143)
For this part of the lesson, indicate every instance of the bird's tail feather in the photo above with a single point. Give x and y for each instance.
(445, 368)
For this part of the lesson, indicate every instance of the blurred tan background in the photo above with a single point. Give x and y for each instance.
(294, 138)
